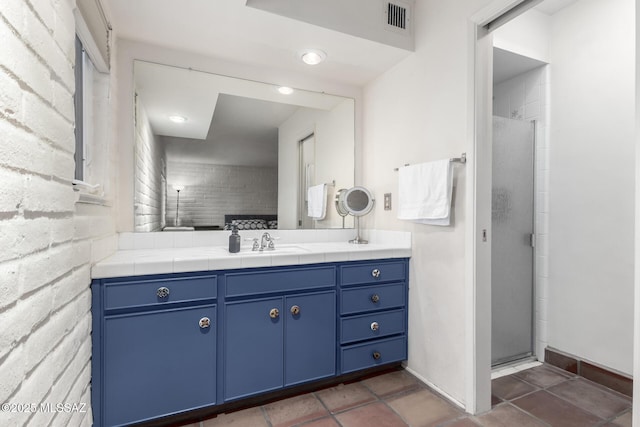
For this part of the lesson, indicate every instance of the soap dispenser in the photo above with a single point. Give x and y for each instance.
(234, 241)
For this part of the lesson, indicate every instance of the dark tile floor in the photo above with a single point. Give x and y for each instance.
(540, 396)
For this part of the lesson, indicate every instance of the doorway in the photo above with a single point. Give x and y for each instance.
(589, 151)
(520, 96)
(306, 178)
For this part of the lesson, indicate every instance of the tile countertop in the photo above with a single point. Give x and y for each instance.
(132, 261)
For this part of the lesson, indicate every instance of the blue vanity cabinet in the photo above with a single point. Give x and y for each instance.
(278, 342)
(154, 347)
(373, 314)
(168, 344)
(310, 337)
(281, 340)
(252, 347)
(148, 372)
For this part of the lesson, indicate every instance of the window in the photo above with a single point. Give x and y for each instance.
(92, 116)
(79, 106)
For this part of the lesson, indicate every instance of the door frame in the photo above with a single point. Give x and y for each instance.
(478, 203)
(303, 176)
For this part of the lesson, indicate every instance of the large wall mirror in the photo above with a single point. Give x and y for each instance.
(212, 149)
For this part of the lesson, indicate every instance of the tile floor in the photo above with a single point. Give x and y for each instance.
(539, 396)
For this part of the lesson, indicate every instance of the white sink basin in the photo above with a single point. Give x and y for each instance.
(280, 249)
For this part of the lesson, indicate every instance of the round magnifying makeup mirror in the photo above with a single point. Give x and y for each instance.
(356, 201)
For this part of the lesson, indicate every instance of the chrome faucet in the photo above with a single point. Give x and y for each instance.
(266, 237)
(255, 246)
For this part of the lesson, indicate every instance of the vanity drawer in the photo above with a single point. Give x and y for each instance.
(133, 293)
(369, 298)
(391, 271)
(370, 354)
(374, 325)
(267, 282)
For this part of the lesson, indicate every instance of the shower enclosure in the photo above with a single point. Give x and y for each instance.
(512, 254)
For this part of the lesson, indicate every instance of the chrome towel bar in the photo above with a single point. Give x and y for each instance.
(462, 159)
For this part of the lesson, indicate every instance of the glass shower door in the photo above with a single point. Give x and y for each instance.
(512, 256)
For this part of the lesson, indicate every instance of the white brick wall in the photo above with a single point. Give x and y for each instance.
(211, 191)
(48, 240)
(149, 156)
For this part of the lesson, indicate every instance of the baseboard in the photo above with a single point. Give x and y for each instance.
(598, 374)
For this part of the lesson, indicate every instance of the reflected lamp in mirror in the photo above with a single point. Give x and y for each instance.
(178, 189)
(177, 223)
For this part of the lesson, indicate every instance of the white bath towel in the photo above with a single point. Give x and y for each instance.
(424, 192)
(317, 201)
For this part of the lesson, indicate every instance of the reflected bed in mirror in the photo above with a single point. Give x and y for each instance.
(211, 148)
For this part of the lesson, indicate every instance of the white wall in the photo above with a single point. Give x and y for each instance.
(527, 35)
(128, 51)
(149, 159)
(296, 127)
(49, 240)
(422, 110)
(592, 182)
(334, 154)
(335, 157)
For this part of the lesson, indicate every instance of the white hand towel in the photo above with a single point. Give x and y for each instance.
(317, 201)
(424, 192)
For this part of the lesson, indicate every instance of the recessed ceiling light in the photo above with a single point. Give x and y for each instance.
(178, 119)
(312, 56)
(285, 90)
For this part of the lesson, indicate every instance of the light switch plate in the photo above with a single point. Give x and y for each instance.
(387, 201)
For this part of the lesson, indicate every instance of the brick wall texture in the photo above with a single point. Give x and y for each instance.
(211, 191)
(47, 239)
(149, 189)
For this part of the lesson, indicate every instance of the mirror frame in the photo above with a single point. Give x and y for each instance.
(350, 209)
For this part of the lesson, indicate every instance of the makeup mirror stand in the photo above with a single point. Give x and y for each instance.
(356, 201)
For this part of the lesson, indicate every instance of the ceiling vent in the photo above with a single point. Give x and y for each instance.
(397, 16)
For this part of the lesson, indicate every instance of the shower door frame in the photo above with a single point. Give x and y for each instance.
(534, 276)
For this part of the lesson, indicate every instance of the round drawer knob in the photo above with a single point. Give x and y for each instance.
(375, 326)
(376, 355)
(162, 292)
(295, 310)
(274, 313)
(375, 298)
(375, 273)
(204, 323)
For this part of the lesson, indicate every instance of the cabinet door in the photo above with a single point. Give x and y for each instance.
(253, 340)
(310, 337)
(158, 363)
